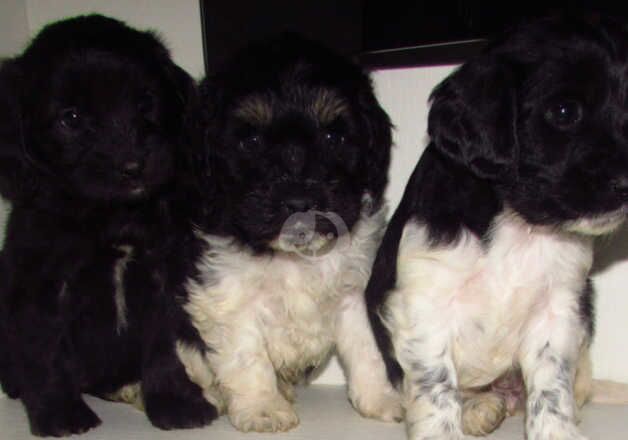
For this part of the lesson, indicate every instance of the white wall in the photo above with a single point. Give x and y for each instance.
(404, 94)
(13, 26)
(177, 21)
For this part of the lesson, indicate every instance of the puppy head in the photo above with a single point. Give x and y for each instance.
(294, 128)
(543, 114)
(94, 108)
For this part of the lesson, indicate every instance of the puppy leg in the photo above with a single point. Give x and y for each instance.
(370, 392)
(49, 390)
(430, 388)
(171, 399)
(548, 362)
(249, 384)
(9, 380)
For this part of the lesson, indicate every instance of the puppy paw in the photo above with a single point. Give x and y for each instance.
(268, 415)
(442, 435)
(551, 428)
(482, 413)
(58, 420)
(383, 406)
(168, 411)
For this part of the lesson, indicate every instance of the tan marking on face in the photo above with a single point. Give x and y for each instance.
(327, 106)
(256, 109)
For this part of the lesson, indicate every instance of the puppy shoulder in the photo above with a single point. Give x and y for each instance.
(449, 199)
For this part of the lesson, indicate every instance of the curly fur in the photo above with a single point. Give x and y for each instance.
(483, 268)
(95, 152)
(292, 131)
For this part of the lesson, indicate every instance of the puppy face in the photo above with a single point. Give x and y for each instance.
(544, 116)
(100, 117)
(300, 131)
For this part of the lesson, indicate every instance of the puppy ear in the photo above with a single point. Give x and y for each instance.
(186, 107)
(15, 180)
(473, 117)
(379, 132)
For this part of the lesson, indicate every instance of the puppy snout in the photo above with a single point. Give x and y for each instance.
(620, 186)
(293, 157)
(299, 204)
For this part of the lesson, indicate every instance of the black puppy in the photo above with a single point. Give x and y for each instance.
(483, 269)
(93, 140)
(299, 148)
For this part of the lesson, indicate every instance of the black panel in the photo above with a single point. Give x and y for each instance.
(404, 33)
(380, 33)
(228, 25)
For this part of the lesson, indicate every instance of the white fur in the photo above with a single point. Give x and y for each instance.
(462, 315)
(266, 319)
(118, 283)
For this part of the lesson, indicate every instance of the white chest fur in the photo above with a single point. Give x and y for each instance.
(483, 299)
(282, 306)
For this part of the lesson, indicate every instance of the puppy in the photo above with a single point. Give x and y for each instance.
(93, 140)
(482, 274)
(300, 149)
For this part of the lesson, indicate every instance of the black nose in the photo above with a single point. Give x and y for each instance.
(620, 186)
(293, 157)
(299, 204)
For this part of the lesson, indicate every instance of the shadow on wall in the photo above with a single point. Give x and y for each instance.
(610, 250)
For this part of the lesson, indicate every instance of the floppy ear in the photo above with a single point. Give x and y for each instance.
(379, 132)
(187, 114)
(15, 179)
(473, 117)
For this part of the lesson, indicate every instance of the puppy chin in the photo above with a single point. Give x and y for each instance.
(599, 224)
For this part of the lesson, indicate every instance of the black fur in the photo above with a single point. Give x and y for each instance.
(295, 161)
(539, 122)
(96, 143)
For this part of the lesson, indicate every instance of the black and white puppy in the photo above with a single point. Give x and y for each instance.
(483, 270)
(300, 149)
(93, 142)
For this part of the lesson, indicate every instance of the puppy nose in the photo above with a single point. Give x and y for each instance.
(620, 186)
(299, 204)
(293, 157)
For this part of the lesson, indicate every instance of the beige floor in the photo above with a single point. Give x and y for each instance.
(325, 415)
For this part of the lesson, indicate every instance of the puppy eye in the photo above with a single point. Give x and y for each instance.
(146, 103)
(564, 114)
(70, 119)
(250, 143)
(334, 138)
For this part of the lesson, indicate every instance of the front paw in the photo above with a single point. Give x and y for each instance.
(385, 406)
(266, 415)
(438, 435)
(168, 411)
(61, 419)
(431, 423)
(551, 428)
